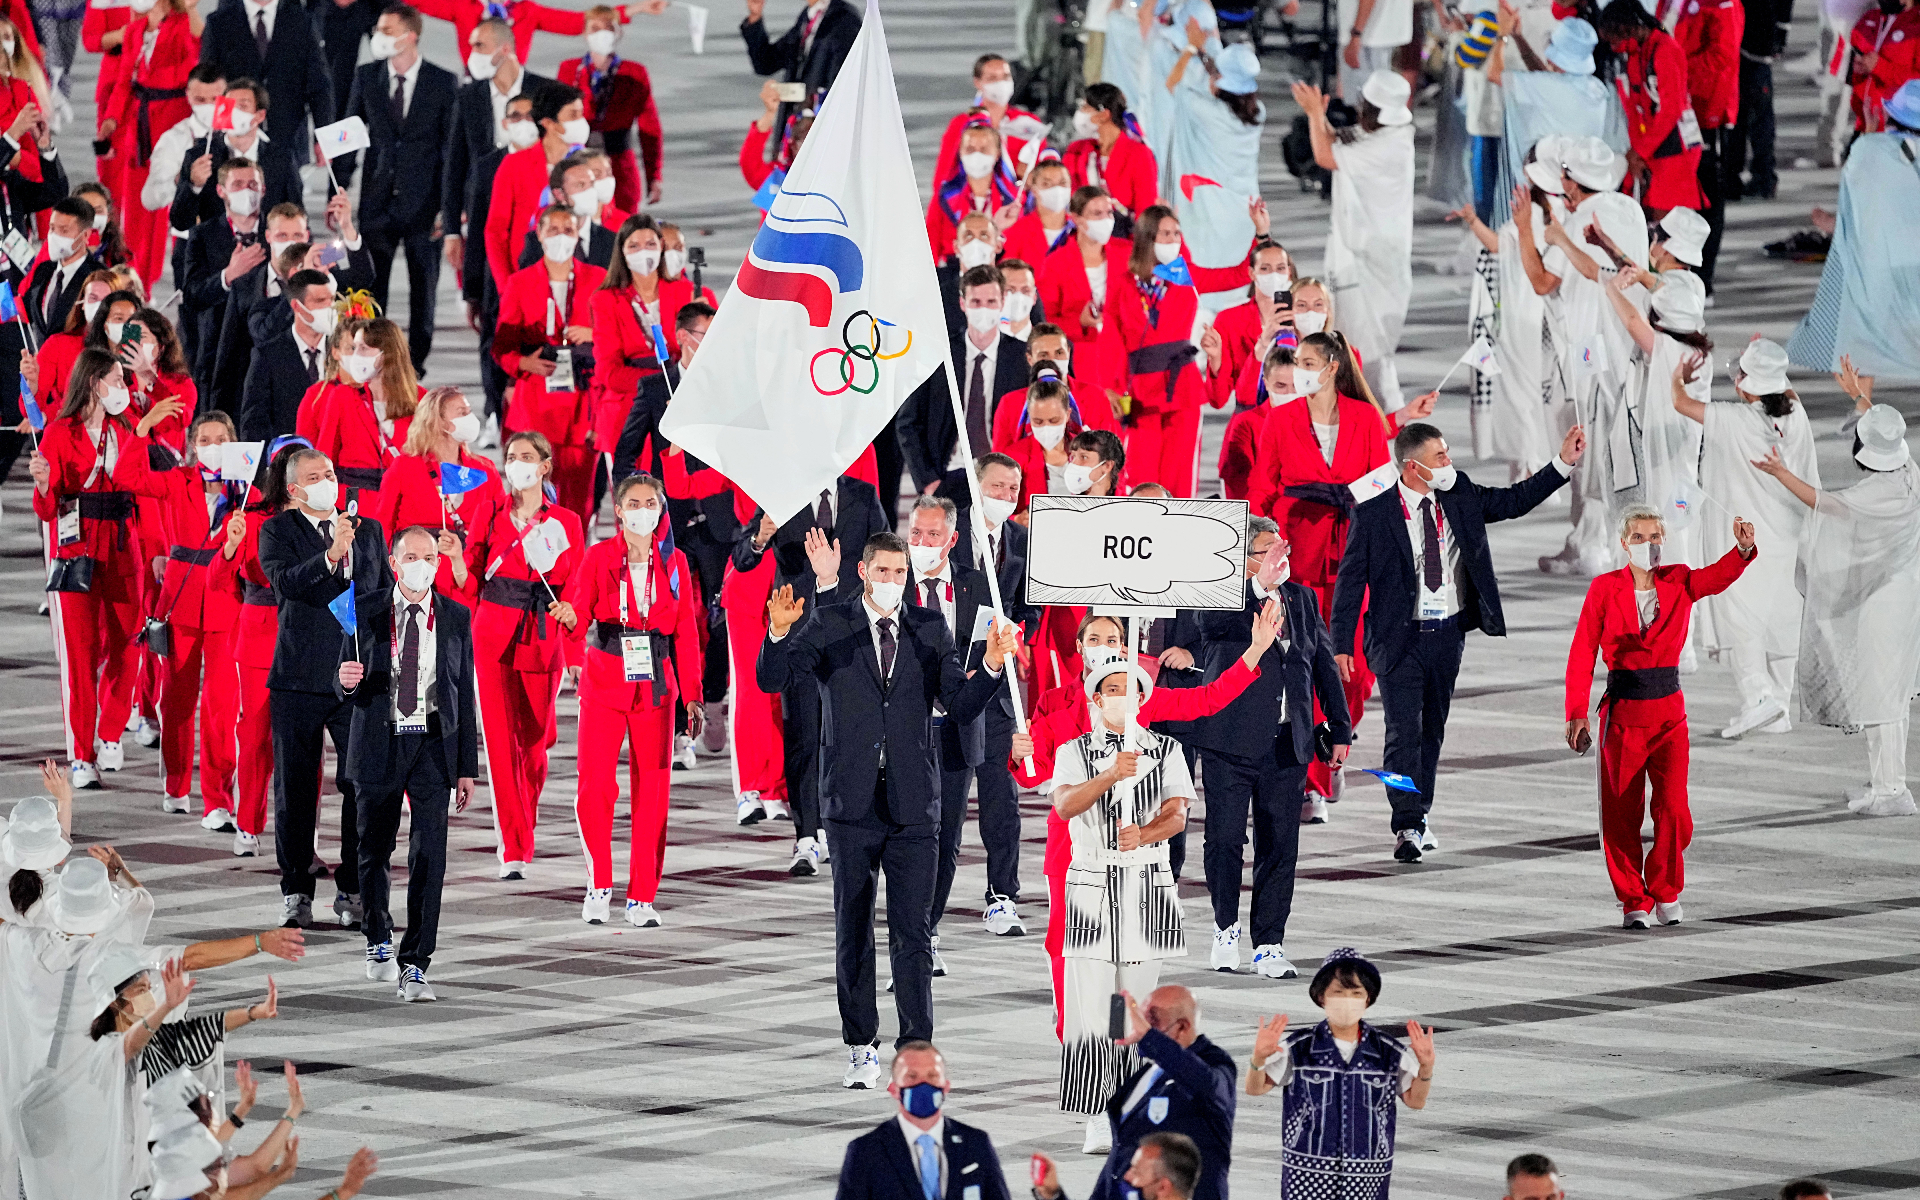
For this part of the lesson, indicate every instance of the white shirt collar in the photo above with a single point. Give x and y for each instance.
(944, 574)
(400, 600)
(1412, 500)
(315, 521)
(411, 74)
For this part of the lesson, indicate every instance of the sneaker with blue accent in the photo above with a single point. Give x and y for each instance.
(382, 967)
(1270, 962)
(640, 915)
(414, 986)
(1002, 919)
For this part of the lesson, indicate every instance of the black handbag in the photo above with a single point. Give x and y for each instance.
(71, 574)
(1323, 742)
(158, 636)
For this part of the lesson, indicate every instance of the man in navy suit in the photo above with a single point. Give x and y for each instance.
(810, 52)
(283, 368)
(250, 39)
(1417, 563)
(880, 666)
(986, 362)
(1257, 748)
(1166, 1166)
(920, 1153)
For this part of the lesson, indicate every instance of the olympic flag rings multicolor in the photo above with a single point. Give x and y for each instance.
(867, 349)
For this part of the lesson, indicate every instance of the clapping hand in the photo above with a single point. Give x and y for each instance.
(1310, 99)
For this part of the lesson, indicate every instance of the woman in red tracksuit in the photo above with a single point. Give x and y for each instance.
(640, 613)
(547, 308)
(1152, 320)
(632, 300)
(1110, 151)
(1637, 620)
(199, 599)
(981, 182)
(149, 97)
(1047, 224)
(46, 372)
(618, 97)
(362, 415)
(442, 428)
(1072, 282)
(1663, 136)
(257, 630)
(1048, 420)
(522, 633)
(1049, 350)
(102, 31)
(1241, 335)
(159, 374)
(91, 464)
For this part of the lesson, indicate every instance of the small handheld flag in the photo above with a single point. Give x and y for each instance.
(697, 27)
(1399, 783)
(341, 607)
(9, 310)
(222, 121)
(1190, 182)
(239, 461)
(1479, 356)
(543, 544)
(1174, 272)
(763, 199)
(35, 417)
(342, 137)
(1373, 482)
(456, 479)
(660, 350)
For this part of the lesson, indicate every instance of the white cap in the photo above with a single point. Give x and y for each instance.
(1389, 92)
(86, 901)
(1593, 165)
(1883, 439)
(1544, 170)
(116, 966)
(1680, 302)
(1686, 235)
(1763, 369)
(32, 839)
(176, 1089)
(1114, 663)
(180, 1159)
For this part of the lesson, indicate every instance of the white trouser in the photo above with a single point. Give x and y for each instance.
(1092, 1067)
(1759, 676)
(1887, 757)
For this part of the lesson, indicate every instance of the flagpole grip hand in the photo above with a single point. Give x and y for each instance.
(563, 612)
(1419, 408)
(351, 673)
(449, 547)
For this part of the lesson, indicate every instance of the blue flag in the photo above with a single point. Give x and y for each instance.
(1399, 783)
(659, 344)
(1174, 272)
(341, 607)
(763, 199)
(35, 417)
(455, 479)
(9, 311)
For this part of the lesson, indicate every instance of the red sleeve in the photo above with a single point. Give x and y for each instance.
(556, 20)
(1263, 486)
(1240, 452)
(1049, 733)
(754, 168)
(393, 481)
(94, 27)
(1718, 576)
(514, 333)
(1139, 185)
(1060, 310)
(1190, 704)
(647, 127)
(1216, 279)
(940, 229)
(1587, 638)
(686, 634)
(439, 9)
(502, 219)
(120, 94)
(1670, 76)
(682, 484)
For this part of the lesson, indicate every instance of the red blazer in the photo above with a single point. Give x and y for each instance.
(200, 589)
(410, 495)
(1240, 451)
(517, 185)
(1649, 118)
(624, 353)
(1065, 293)
(1708, 32)
(1027, 240)
(1290, 455)
(1239, 330)
(1131, 176)
(676, 611)
(96, 25)
(345, 429)
(55, 362)
(258, 624)
(171, 432)
(1610, 626)
(1009, 425)
(70, 456)
(754, 168)
(1138, 323)
(948, 160)
(176, 52)
(526, 17)
(1896, 40)
(1032, 457)
(16, 94)
(563, 416)
(524, 639)
(629, 108)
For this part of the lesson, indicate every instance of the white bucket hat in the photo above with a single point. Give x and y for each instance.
(1763, 368)
(1389, 92)
(119, 964)
(1593, 165)
(1545, 168)
(1685, 235)
(32, 841)
(1113, 664)
(1883, 439)
(1681, 302)
(176, 1089)
(180, 1161)
(86, 901)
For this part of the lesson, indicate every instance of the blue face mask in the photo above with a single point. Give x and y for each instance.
(922, 1099)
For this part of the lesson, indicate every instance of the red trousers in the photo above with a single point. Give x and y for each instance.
(146, 232)
(1059, 856)
(153, 679)
(759, 747)
(1319, 774)
(649, 733)
(1163, 447)
(100, 662)
(573, 468)
(256, 751)
(516, 713)
(626, 180)
(218, 699)
(1631, 757)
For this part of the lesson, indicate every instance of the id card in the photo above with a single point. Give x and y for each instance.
(415, 723)
(1433, 606)
(562, 378)
(18, 248)
(68, 526)
(1690, 129)
(636, 653)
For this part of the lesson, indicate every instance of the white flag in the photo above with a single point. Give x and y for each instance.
(697, 27)
(239, 460)
(835, 316)
(342, 137)
(1374, 482)
(1479, 356)
(1590, 357)
(544, 544)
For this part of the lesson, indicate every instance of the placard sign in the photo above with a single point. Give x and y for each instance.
(1119, 552)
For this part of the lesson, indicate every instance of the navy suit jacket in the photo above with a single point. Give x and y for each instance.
(1377, 568)
(470, 139)
(370, 740)
(925, 422)
(276, 383)
(307, 653)
(402, 192)
(859, 714)
(880, 1166)
(1303, 671)
(857, 516)
(295, 73)
(1194, 1095)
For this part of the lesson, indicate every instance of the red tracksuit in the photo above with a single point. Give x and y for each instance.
(94, 630)
(1065, 293)
(517, 187)
(410, 495)
(256, 630)
(527, 17)
(55, 364)
(613, 711)
(1642, 740)
(1894, 41)
(148, 98)
(95, 26)
(948, 160)
(624, 355)
(1130, 173)
(619, 104)
(343, 423)
(1709, 35)
(519, 653)
(1061, 716)
(1010, 413)
(954, 198)
(199, 598)
(1240, 449)
(530, 320)
(1029, 241)
(1653, 90)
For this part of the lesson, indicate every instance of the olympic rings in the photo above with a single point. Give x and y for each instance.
(846, 373)
(867, 349)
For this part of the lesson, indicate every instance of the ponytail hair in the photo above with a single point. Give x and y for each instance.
(1348, 379)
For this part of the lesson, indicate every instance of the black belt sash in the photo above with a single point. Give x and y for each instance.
(1167, 357)
(531, 597)
(1646, 683)
(607, 635)
(1330, 495)
(109, 506)
(192, 557)
(143, 128)
(260, 597)
(359, 477)
(616, 141)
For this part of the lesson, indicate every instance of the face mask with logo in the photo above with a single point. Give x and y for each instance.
(1645, 555)
(417, 576)
(601, 41)
(603, 188)
(360, 367)
(886, 596)
(1166, 252)
(925, 559)
(977, 165)
(59, 246)
(1050, 436)
(639, 521)
(676, 262)
(1344, 1010)
(642, 262)
(558, 247)
(466, 428)
(382, 46)
(1306, 383)
(480, 66)
(1440, 479)
(521, 475)
(209, 457)
(975, 253)
(1083, 126)
(1054, 199)
(1079, 479)
(996, 510)
(1272, 283)
(243, 202)
(321, 495)
(324, 320)
(1098, 231)
(1016, 307)
(982, 319)
(998, 92)
(922, 1099)
(575, 131)
(522, 133)
(1305, 323)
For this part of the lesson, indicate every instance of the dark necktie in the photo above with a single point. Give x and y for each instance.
(260, 39)
(977, 406)
(312, 356)
(54, 287)
(1430, 562)
(399, 105)
(823, 515)
(887, 647)
(409, 695)
(930, 589)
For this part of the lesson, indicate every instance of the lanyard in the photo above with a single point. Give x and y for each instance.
(1439, 514)
(101, 450)
(393, 623)
(519, 539)
(379, 433)
(646, 600)
(563, 317)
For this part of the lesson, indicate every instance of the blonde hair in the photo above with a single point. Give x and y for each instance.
(126, 279)
(424, 434)
(337, 343)
(399, 386)
(1633, 514)
(1308, 281)
(23, 66)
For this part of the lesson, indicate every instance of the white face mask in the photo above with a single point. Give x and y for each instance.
(1645, 555)
(975, 253)
(1049, 436)
(113, 331)
(601, 41)
(323, 320)
(59, 246)
(417, 576)
(1440, 479)
(925, 559)
(203, 113)
(1278, 398)
(1079, 479)
(676, 262)
(1054, 199)
(382, 46)
(998, 92)
(209, 456)
(522, 133)
(1166, 252)
(141, 6)
(243, 202)
(559, 247)
(982, 319)
(1305, 323)
(466, 428)
(575, 131)
(1306, 383)
(1116, 709)
(242, 120)
(1344, 1010)
(1098, 231)
(1016, 307)
(321, 495)
(100, 222)
(996, 510)
(480, 66)
(977, 166)
(360, 367)
(521, 475)
(1272, 283)
(1083, 126)
(90, 307)
(603, 188)
(639, 521)
(886, 596)
(586, 205)
(642, 262)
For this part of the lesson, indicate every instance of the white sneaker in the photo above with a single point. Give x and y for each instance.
(1313, 810)
(820, 836)
(1406, 846)
(749, 810)
(1226, 949)
(598, 906)
(863, 1068)
(684, 758)
(806, 858)
(174, 804)
(1783, 725)
(1002, 919)
(1667, 914)
(246, 845)
(296, 912)
(1750, 719)
(1428, 842)
(513, 870)
(347, 909)
(111, 758)
(1857, 796)
(640, 915)
(85, 775)
(1896, 804)
(146, 732)
(1637, 919)
(1099, 1139)
(217, 821)
(776, 810)
(1270, 962)
(939, 964)
(414, 988)
(1339, 778)
(382, 967)
(490, 434)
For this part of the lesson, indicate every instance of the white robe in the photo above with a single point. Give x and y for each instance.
(1517, 429)
(1670, 447)
(1370, 250)
(1763, 604)
(1206, 139)
(1860, 568)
